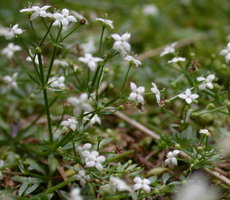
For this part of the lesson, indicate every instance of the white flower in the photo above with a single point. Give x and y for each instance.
(155, 91)
(171, 157)
(93, 159)
(37, 11)
(82, 177)
(205, 131)
(197, 188)
(206, 82)
(88, 47)
(36, 60)
(118, 184)
(11, 80)
(137, 93)
(60, 62)
(188, 96)
(63, 18)
(3, 31)
(168, 49)
(84, 150)
(93, 118)
(71, 123)
(150, 9)
(132, 60)
(78, 15)
(80, 104)
(142, 184)
(10, 49)
(57, 82)
(177, 59)
(106, 22)
(13, 32)
(75, 194)
(121, 43)
(90, 61)
(226, 53)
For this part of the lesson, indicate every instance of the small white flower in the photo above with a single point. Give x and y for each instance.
(3, 31)
(36, 60)
(13, 32)
(142, 184)
(82, 177)
(84, 150)
(94, 160)
(171, 158)
(118, 184)
(226, 53)
(137, 93)
(75, 194)
(155, 91)
(177, 59)
(205, 131)
(57, 82)
(78, 15)
(80, 104)
(11, 80)
(206, 82)
(60, 62)
(88, 47)
(37, 11)
(71, 123)
(105, 22)
(168, 49)
(132, 60)
(63, 18)
(121, 43)
(95, 119)
(90, 61)
(10, 49)
(150, 9)
(188, 96)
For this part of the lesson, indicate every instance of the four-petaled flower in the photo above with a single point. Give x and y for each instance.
(133, 60)
(10, 49)
(80, 104)
(11, 80)
(188, 96)
(37, 11)
(90, 61)
(121, 43)
(206, 82)
(168, 49)
(93, 159)
(142, 184)
(63, 18)
(155, 91)
(205, 131)
(57, 82)
(171, 157)
(137, 93)
(13, 32)
(71, 123)
(177, 59)
(82, 177)
(226, 53)
(105, 22)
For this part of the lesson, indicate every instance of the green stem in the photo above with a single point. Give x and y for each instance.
(60, 185)
(68, 34)
(101, 38)
(126, 76)
(48, 30)
(51, 64)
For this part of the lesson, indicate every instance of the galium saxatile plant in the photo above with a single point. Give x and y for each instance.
(71, 154)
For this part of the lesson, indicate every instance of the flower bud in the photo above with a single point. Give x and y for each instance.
(210, 106)
(177, 146)
(38, 50)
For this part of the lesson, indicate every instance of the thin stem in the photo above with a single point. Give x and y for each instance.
(101, 39)
(51, 36)
(68, 34)
(32, 27)
(126, 76)
(51, 64)
(48, 30)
